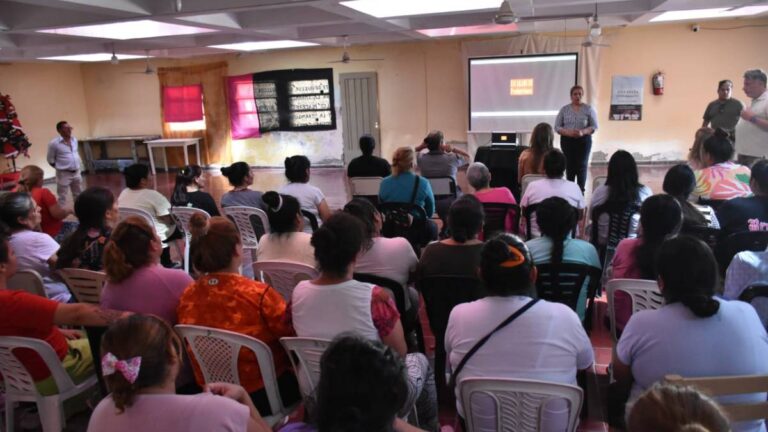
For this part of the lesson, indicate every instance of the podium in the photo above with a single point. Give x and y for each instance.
(502, 162)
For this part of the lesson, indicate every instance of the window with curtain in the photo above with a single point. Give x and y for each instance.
(243, 112)
(183, 107)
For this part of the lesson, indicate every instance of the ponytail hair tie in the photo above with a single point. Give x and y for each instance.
(128, 368)
(515, 260)
(279, 204)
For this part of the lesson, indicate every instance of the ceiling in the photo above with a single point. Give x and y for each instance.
(319, 21)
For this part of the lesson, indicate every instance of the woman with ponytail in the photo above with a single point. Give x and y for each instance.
(136, 281)
(240, 177)
(311, 198)
(721, 179)
(459, 254)
(546, 341)
(188, 191)
(555, 246)
(694, 334)
(51, 213)
(141, 357)
(335, 303)
(286, 240)
(96, 210)
(222, 298)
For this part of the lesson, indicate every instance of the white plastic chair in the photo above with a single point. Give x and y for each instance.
(364, 186)
(29, 281)
(86, 285)
(528, 179)
(305, 354)
(20, 387)
(250, 233)
(598, 181)
(518, 402)
(442, 186)
(645, 295)
(283, 275)
(182, 216)
(216, 352)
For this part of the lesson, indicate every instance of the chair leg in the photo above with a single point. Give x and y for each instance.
(10, 406)
(187, 266)
(51, 416)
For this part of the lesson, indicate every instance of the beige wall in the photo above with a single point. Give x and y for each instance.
(421, 87)
(43, 94)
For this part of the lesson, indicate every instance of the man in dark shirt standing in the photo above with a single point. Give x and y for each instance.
(368, 165)
(748, 214)
(724, 111)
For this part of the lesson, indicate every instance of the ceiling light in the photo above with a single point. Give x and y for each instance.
(97, 57)
(129, 30)
(595, 30)
(505, 15)
(263, 45)
(396, 8)
(468, 30)
(694, 14)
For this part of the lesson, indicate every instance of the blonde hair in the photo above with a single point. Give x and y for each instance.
(402, 160)
(671, 408)
(127, 249)
(31, 177)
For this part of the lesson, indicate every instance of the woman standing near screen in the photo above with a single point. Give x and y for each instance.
(576, 122)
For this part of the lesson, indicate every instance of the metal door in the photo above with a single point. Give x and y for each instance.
(360, 111)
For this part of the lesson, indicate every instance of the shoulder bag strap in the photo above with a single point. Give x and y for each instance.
(415, 189)
(481, 342)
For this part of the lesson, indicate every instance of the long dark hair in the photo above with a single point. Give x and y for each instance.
(184, 178)
(556, 219)
(366, 212)
(679, 182)
(505, 266)
(91, 208)
(281, 211)
(623, 181)
(688, 270)
(542, 137)
(465, 218)
(660, 217)
(338, 242)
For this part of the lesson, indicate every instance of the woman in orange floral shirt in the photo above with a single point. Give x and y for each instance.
(223, 299)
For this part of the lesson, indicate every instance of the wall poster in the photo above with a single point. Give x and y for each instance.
(295, 100)
(627, 97)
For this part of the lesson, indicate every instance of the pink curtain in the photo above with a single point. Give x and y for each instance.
(183, 103)
(243, 115)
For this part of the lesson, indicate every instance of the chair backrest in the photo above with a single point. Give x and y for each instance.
(365, 186)
(519, 402)
(756, 241)
(731, 385)
(710, 236)
(124, 212)
(527, 179)
(645, 295)
(252, 223)
(496, 217)
(18, 381)
(757, 296)
(305, 354)
(412, 234)
(598, 181)
(397, 290)
(529, 211)
(443, 187)
(216, 352)
(86, 285)
(29, 281)
(283, 276)
(619, 223)
(311, 219)
(183, 216)
(563, 283)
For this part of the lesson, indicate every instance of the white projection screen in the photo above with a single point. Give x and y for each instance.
(515, 93)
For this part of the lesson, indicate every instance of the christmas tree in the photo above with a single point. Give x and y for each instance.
(13, 140)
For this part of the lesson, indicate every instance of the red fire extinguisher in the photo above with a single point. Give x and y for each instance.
(658, 83)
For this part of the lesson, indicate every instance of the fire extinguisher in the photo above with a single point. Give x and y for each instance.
(658, 83)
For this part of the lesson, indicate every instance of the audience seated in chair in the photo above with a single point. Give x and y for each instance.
(36, 250)
(335, 303)
(458, 255)
(362, 388)
(27, 315)
(240, 177)
(188, 191)
(720, 179)
(52, 215)
(531, 160)
(748, 214)
(695, 334)
(223, 299)
(747, 268)
(546, 342)
(556, 220)
(286, 241)
(96, 210)
(679, 182)
(137, 194)
(553, 185)
(660, 218)
(671, 408)
(368, 165)
(311, 198)
(136, 281)
(142, 356)
(694, 153)
(399, 188)
(621, 189)
(479, 177)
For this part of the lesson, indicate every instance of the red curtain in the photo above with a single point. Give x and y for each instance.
(183, 103)
(243, 115)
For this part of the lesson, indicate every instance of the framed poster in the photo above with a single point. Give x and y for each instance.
(295, 100)
(626, 98)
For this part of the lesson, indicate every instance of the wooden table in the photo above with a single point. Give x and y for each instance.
(87, 146)
(172, 142)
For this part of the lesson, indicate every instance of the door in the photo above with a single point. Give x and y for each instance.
(359, 111)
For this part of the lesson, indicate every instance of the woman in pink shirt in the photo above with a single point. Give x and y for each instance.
(479, 177)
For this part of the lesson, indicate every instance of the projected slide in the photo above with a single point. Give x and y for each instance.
(513, 94)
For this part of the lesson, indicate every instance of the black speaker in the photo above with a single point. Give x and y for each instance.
(502, 162)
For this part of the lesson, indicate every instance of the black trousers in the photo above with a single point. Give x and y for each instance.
(576, 151)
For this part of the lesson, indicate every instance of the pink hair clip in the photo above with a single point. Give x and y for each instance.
(129, 368)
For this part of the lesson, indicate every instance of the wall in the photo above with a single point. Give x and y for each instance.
(44, 94)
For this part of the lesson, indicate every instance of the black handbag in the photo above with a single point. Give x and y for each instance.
(401, 218)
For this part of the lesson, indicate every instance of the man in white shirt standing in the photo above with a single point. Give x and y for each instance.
(63, 155)
(752, 129)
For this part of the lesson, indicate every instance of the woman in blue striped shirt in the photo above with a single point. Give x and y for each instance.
(576, 122)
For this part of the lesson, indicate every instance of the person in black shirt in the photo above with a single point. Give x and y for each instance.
(748, 214)
(368, 165)
(188, 191)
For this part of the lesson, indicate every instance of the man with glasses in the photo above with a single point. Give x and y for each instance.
(63, 155)
(724, 111)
